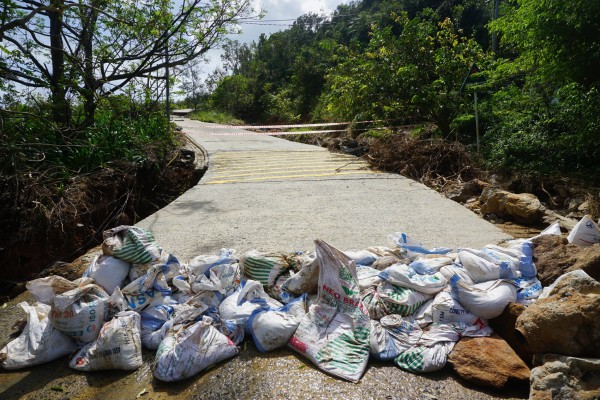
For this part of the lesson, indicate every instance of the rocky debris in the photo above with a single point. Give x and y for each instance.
(524, 208)
(504, 326)
(551, 216)
(567, 322)
(461, 192)
(488, 361)
(554, 256)
(563, 377)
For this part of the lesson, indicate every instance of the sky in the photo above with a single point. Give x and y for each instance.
(274, 10)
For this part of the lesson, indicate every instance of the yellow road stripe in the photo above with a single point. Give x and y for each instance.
(263, 167)
(288, 170)
(219, 160)
(291, 176)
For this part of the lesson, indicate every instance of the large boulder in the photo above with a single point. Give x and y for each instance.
(504, 326)
(524, 208)
(554, 256)
(488, 361)
(567, 322)
(563, 377)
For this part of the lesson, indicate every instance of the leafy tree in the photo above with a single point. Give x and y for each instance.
(416, 74)
(556, 41)
(89, 49)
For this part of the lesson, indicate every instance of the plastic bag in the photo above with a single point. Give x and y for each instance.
(414, 248)
(39, 342)
(528, 290)
(585, 232)
(393, 335)
(263, 268)
(405, 276)
(108, 272)
(191, 350)
(432, 351)
(200, 265)
(334, 335)
(445, 309)
(118, 346)
(78, 308)
(525, 248)
(367, 277)
(307, 278)
(130, 243)
(482, 267)
(154, 329)
(362, 258)
(486, 300)
(272, 329)
(400, 300)
(429, 266)
(250, 296)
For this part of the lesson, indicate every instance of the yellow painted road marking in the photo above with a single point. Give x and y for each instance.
(288, 170)
(275, 167)
(291, 177)
(233, 167)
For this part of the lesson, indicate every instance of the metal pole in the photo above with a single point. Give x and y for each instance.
(494, 34)
(476, 122)
(167, 77)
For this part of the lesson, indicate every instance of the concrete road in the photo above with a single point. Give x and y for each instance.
(274, 195)
(271, 194)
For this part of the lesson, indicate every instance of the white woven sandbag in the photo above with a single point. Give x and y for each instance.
(334, 334)
(272, 329)
(39, 342)
(78, 308)
(483, 267)
(190, 351)
(367, 277)
(118, 346)
(130, 243)
(400, 300)
(108, 272)
(248, 297)
(405, 276)
(393, 335)
(486, 300)
(446, 309)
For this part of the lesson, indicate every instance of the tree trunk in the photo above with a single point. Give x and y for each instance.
(89, 81)
(60, 107)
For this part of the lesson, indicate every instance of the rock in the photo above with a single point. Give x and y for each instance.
(488, 361)
(462, 191)
(566, 223)
(524, 208)
(567, 322)
(504, 326)
(574, 204)
(554, 256)
(563, 377)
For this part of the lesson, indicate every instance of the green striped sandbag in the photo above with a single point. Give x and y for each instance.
(131, 244)
(258, 266)
(411, 359)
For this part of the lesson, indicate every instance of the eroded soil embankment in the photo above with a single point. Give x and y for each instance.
(46, 221)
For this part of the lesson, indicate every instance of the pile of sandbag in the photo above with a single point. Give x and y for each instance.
(407, 304)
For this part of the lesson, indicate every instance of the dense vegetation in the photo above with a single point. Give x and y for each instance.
(404, 61)
(84, 138)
